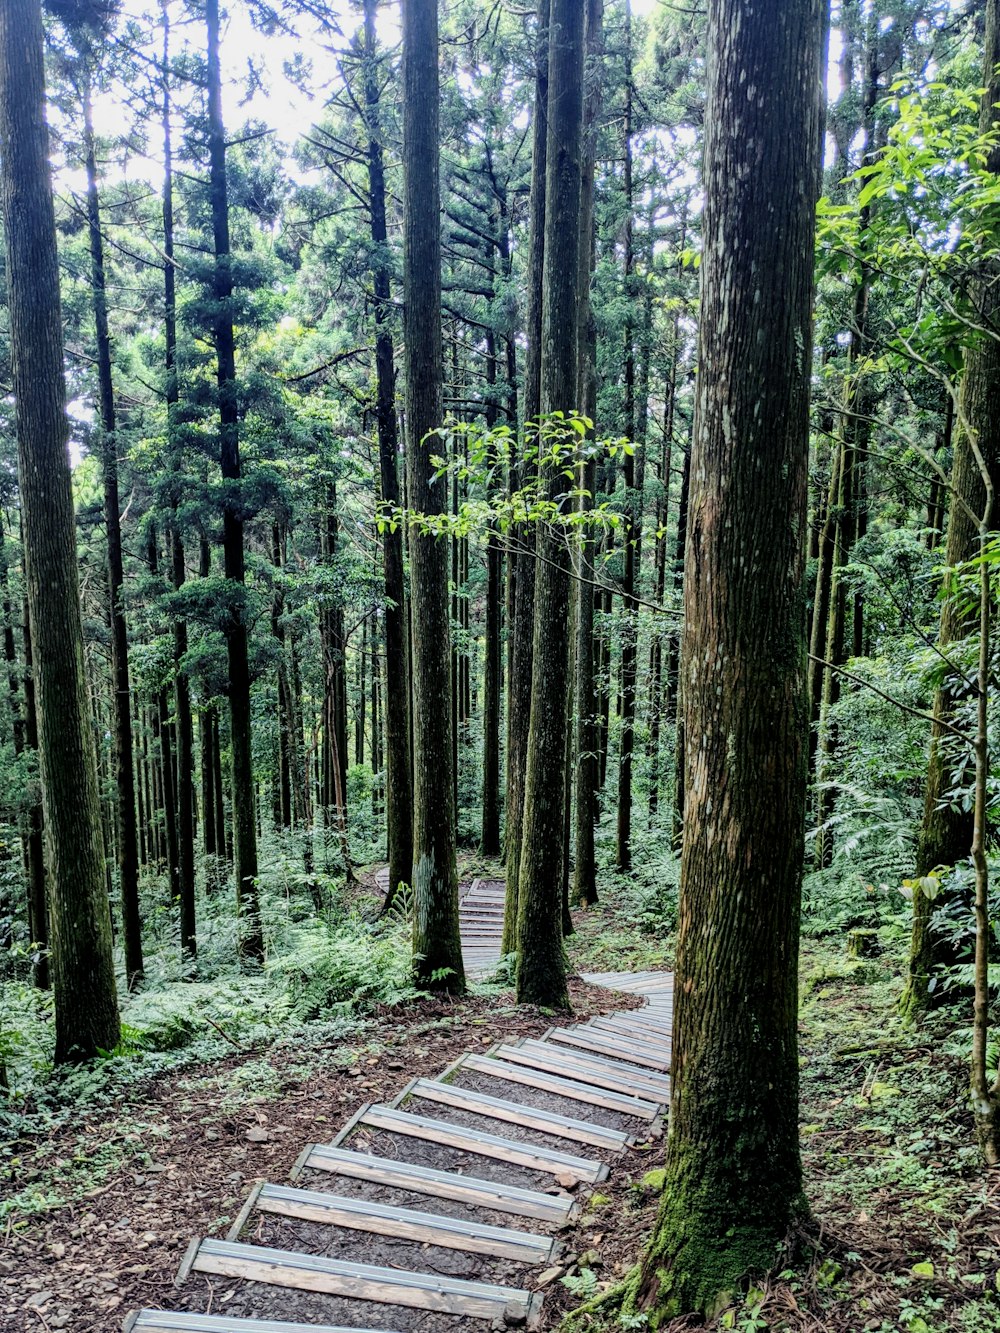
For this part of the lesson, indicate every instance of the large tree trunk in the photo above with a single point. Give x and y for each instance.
(946, 831)
(437, 945)
(251, 940)
(733, 1185)
(86, 1004)
(541, 968)
(128, 842)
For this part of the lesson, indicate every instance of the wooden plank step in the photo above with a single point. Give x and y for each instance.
(334, 1277)
(552, 1208)
(498, 1108)
(486, 1145)
(635, 1046)
(408, 1223)
(592, 1041)
(175, 1321)
(589, 1068)
(639, 1021)
(655, 1030)
(562, 1087)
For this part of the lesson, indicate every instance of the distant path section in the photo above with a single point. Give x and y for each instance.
(481, 918)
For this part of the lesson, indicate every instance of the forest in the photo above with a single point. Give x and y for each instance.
(499, 555)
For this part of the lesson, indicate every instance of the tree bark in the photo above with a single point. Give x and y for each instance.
(86, 1005)
(437, 945)
(733, 1186)
(541, 967)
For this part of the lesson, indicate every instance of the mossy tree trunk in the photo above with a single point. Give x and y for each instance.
(437, 945)
(541, 969)
(86, 1003)
(733, 1184)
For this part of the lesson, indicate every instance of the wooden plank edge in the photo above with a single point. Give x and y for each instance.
(243, 1216)
(130, 1321)
(350, 1126)
(184, 1272)
(299, 1165)
(401, 1096)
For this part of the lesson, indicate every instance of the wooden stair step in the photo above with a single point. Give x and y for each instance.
(486, 1145)
(562, 1087)
(589, 1067)
(552, 1208)
(174, 1321)
(592, 1041)
(408, 1223)
(516, 1113)
(335, 1277)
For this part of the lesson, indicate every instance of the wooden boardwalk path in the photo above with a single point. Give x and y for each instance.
(437, 1211)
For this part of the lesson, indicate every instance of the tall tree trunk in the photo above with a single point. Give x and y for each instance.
(175, 452)
(128, 843)
(86, 1005)
(541, 967)
(489, 843)
(525, 535)
(733, 1185)
(251, 940)
(437, 945)
(633, 495)
(584, 892)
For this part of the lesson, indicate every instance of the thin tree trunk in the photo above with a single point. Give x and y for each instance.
(489, 844)
(127, 842)
(175, 451)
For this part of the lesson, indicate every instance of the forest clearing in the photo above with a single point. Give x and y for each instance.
(498, 577)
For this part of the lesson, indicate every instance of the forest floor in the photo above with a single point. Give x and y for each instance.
(100, 1204)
